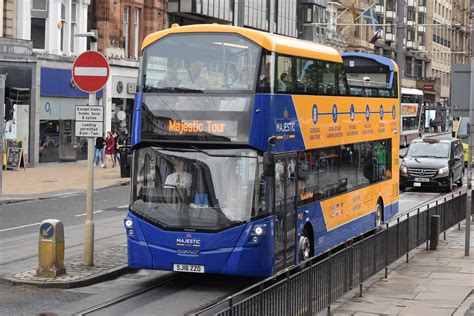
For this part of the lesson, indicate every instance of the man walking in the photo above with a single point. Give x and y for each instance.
(99, 151)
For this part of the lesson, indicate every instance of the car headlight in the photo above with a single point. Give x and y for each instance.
(403, 169)
(443, 171)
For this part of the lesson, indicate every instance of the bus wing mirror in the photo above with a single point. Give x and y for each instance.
(268, 164)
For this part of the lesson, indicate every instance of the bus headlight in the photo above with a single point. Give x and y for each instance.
(258, 230)
(443, 171)
(128, 223)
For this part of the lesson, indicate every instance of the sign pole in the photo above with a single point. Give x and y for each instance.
(2, 125)
(471, 143)
(89, 224)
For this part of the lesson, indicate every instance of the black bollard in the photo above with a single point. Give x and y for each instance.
(434, 227)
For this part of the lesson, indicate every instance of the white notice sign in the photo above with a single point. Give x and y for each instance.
(89, 113)
(89, 129)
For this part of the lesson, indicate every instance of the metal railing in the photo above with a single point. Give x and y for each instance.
(313, 287)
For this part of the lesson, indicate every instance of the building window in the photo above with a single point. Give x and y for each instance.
(73, 23)
(418, 68)
(308, 13)
(408, 66)
(40, 5)
(126, 30)
(63, 27)
(39, 14)
(421, 39)
(38, 31)
(137, 32)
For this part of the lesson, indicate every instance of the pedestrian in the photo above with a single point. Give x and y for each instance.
(99, 151)
(109, 149)
(431, 125)
(116, 143)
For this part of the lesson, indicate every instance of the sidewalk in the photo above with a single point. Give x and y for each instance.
(433, 283)
(19, 258)
(55, 180)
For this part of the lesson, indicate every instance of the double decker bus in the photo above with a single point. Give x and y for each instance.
(249, 154)
(411, 109)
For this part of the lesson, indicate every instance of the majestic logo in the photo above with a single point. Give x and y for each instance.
(285, 125)
(188, 241)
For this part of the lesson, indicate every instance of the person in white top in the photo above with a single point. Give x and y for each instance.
(180, 178)
(196, 81)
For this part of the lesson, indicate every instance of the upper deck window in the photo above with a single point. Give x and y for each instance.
(297, 75)
(198, 62)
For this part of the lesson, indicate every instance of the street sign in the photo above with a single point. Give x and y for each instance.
(90, 71)
(89, 129)
(89, 113)
(89, 120)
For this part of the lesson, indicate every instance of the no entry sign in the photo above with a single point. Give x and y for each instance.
(90, 71)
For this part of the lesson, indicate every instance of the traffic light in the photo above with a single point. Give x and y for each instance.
(9, 110)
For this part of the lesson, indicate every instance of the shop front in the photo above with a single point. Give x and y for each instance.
(58, 99)
(123, 93)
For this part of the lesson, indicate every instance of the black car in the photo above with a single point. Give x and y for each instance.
(432, 163)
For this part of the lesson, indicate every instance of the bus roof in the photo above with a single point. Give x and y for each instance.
(380, 59)
(411, 91)
(272, 42)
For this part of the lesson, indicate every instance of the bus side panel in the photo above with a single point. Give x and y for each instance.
(346, 216)
(137, 117)
(275, 115)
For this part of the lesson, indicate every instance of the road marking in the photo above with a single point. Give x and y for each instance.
(84, 214)
(123, 206)
(18, 227)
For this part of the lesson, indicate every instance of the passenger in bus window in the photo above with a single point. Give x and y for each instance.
(380, 159)
(170, 79)
(242, 81)
(366, 83)
(264, 79)
(196, 81)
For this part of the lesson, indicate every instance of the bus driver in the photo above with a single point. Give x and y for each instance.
(180, 178)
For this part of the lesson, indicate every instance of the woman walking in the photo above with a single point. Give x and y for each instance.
(109, 149)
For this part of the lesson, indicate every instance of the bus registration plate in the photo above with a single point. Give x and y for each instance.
(188, 268)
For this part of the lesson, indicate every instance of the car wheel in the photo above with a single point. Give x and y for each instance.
(305, 246)
(449, 187)
(461, 179)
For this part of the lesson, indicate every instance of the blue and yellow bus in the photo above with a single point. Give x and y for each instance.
(249, 153)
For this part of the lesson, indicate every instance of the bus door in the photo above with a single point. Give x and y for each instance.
(285, 202)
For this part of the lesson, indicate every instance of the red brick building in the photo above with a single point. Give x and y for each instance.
(123, 24)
